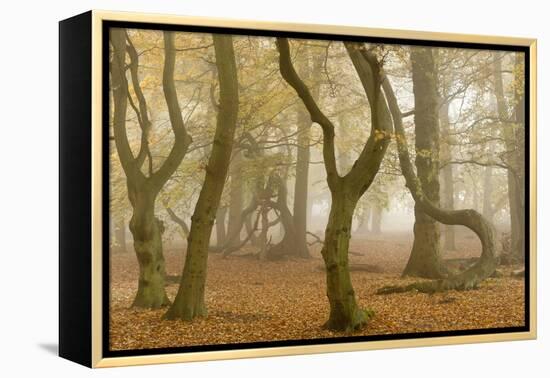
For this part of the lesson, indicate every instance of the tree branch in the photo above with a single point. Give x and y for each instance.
(291, 77)
(182, 139)
(470, 218)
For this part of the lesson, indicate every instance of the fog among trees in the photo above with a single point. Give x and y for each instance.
(305, 188)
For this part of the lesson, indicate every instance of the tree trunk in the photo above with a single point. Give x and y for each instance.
(302, 204)
(345, 314)
(250, 231)
(346, 190)
(301, 183)
(512, 159)
(365, 221)
(120, 235)
(425, 260)
(289, 245)
(377, 213)
(220, 226)
(235, 222)
(232, 241)
(487, 209)
(189, 302)
(147, 232)
(486, 264)
(519, 168)
(142, 191)
(180, 222)
(263, 234)
(448, 192)
(475, 193)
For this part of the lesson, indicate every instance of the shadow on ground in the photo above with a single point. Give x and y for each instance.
(51, 348)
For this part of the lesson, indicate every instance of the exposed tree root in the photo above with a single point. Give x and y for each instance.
(369, 268)
(360, 319)
(487, 262)
(467, 280)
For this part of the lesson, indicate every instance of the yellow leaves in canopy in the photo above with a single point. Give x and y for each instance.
(380, 134)
(424, 152)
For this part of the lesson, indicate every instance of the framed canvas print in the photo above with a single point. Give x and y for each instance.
(235, 189)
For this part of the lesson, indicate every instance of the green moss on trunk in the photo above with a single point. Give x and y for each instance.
(345, 314)
(147, 232)
(189, 302)
(425, 259)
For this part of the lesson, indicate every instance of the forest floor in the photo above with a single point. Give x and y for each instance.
(249, 300)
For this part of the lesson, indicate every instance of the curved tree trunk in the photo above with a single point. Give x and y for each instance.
(143, 190)
(262, 238)
(147, 231)
(233, 240)
(290, 243)
(189, 301)
(345, 314)
(425, 260)
(447, 175)
(486, 264)
(251, 231)
(180, 222)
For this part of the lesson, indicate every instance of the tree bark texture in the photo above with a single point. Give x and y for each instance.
(425, 260)
(345, 314)
(486, 264)
(514, 159)
(447, 175)
(189, 302)
(146, 229)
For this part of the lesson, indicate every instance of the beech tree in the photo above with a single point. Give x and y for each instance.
(511, 119)
(301, 186)
(486, 264)
(425, 258)
(292, 157)
(189, 301)
(143, 189)
(346, 191)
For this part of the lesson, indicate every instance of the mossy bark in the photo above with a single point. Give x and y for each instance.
(471, 219)
(189, 302)
(143, 189)
(425, 260)
(345, 314)
(147, 232)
